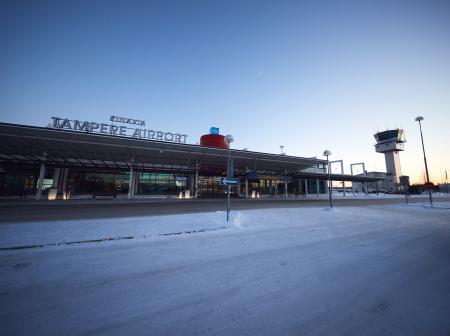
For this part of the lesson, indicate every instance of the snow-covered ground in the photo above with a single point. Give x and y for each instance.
(310, 271)
(66, 232)
(361, 195)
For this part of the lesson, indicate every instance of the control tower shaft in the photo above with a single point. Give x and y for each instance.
(391, 142)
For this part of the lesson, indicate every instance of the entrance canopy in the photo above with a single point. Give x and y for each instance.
(20, 144)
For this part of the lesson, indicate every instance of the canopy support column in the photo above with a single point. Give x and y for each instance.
(317, 187)
(40, 182)
(56, 178)
(65, 175)
(365, 183)
(136, 183)
(131, 183)
(196, 180)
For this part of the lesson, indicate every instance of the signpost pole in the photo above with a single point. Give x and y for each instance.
(327, 153)
(419, 119)
(229, 139)
(229, 187)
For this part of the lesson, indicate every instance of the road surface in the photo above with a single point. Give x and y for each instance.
(381, 271)
(27, 211)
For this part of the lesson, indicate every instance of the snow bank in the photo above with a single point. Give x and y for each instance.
(71, 231)
(56, 232)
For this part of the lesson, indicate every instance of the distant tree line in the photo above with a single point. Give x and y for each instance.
(417, 189)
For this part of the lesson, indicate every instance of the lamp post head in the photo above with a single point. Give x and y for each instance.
(326, 153)
(229, 139)
(419, 119)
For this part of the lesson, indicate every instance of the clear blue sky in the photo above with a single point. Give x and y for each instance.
(309, 75)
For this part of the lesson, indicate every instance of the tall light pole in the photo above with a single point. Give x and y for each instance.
(229, 139)
(419, 119)
(327, 153)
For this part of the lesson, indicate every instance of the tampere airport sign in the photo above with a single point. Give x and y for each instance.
(115, 130)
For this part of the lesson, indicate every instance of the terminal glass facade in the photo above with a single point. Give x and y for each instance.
(89, 183)
(210, 185)
(22, 181)
(92, 182)
(18, 181)
(160, 183)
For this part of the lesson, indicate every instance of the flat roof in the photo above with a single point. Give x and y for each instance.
(65, 148)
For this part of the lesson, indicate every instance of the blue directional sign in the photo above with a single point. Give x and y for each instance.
(229, 181)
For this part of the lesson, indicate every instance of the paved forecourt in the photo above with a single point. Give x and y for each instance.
(28, 211)
(295, 271)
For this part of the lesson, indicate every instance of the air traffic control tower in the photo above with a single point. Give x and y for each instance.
(391, 142)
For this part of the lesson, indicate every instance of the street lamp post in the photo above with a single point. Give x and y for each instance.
(229, 139)
(327, 153)
(419, 119)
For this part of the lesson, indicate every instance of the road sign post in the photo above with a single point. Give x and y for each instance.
(229, 139)
(229, 181)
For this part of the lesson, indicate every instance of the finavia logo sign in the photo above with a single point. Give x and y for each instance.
(127, 120)
(116, 130)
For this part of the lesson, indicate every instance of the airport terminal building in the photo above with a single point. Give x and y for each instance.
(81, 159)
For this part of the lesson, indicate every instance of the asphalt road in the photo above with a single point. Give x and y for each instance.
(383, 271)
(27, 211)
